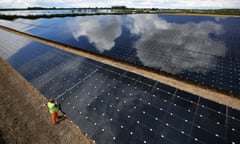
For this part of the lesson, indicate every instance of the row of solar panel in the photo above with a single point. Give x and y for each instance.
(222, 74)
(115, 106)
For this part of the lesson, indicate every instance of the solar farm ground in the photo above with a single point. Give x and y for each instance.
(149, 114)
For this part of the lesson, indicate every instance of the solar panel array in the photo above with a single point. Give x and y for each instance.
(204, 50)
(115, 106)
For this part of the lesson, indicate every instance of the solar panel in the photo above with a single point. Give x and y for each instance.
(115, 106)
(196, 48)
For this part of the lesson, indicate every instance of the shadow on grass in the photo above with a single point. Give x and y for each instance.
(60, 118)
(2, 141)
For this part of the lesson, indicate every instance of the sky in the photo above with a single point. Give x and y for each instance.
(188, 4)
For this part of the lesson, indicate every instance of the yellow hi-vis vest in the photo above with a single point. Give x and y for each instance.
(52, 108)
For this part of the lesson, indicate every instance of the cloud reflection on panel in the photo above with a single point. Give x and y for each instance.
(100, 31)
(175, 48)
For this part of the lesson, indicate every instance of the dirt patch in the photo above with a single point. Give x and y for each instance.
(25, 119)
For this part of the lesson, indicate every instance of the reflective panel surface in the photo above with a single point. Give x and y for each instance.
(114, 106)
(204, 50)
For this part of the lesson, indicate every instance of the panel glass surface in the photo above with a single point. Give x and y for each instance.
(115, 106)
(202, 49)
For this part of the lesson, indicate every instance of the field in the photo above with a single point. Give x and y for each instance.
(122, 81)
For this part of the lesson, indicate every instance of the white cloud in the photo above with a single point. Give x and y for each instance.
(100, 31)
(129, 3)
(176, 47)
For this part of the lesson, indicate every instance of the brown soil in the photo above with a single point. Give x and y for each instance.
(24, 118)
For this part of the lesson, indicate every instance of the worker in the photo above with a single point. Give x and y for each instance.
(53, 110)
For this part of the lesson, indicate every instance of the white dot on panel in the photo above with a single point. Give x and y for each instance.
(233, 117)
(145, 142)
(122, 126)
(111, 119)
(118, 110)
(101, 101)
(103, 130)
(114, 138)
(149, 103)
(73, 107)
(95, 124)
(182, 132)
(110, 106)
(219, 112)
(166, 124)
(175, 104)
(203, 106)
(217, 135)
(156, 118)
(233, 142)
(201, 115)
(196, 139)
(135, 107)
(233, 129)
(151, 129)
(138, 122)
(143, 112)
(189, 110)
(171, 114)
(140, 99)
(154, 95)
(198, 126)
(161, 109)
(103, 114)
(80, 112)
(165, 100)
(218, 123)
(145, 92)
(131, 133)
(128, 116)
(124, 102)
(162, 136)
(117, 98)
